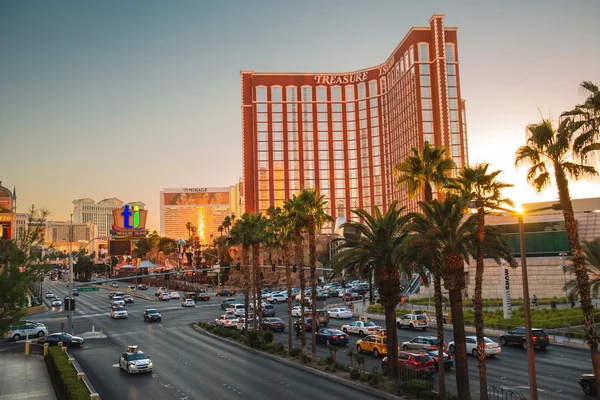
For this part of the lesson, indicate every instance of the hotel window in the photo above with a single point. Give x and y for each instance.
(341, 209)
(277, 136)
(427, 116)
(426, 104)
(323, 155)
(322, 107)
(425, 92)
(309, 155)
(450, 53)
(261, 93)
(309, 184)
(308, 136)
(411, 54)
(324, 174)
(338, 136)
(454, 115)
(451, 81)
(339, 174)
(453, 104)
(291, 94)
(294, 185)
(373, 88)
(362, 91)
(260, 117)
(424, 69)
(339, 184)
(336, 93)
(323, 145)
(306, 95)
(263, 185)
(454, 127)
(428, 127)
(423, 52)
(263, 156)
(309, 165)
(338, 145)
(451, 69)
(278, 156)
(276, 93)
(324, 184)
(452, 92)
(293, 155)
(263, 146)
(455, 151)
(308, 146)
(323, 136)
(455, 138)
(293, 165)
(321, 93)
(349, 92)
(309, 174)
(262, 136)
(425, 80)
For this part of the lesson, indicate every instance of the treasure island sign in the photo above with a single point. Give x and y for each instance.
(130, 223)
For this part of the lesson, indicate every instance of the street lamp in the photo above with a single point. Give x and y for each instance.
(526, 309)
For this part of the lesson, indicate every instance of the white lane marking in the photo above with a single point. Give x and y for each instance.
(115, 365)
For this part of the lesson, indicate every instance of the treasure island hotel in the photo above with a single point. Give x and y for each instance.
(343, 133)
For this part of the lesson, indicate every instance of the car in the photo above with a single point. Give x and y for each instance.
(340, 313)
(517, 336)
(297, 311)
(277, 298)
(491, 348)
(128, 299)
(131, 288)
(240, 325)
(204, 297)
(26, 330)
(376, 344)
(142, 287)
(67, 339)
(322, 318)
(118, 312)
(188, 303)
(419, 362)
(225, 292)
(362, 328)
(75, 292)
(412, 321)
(174, 295)
(50, 295)
(226, 321)
(134, 361)
(448, 360)
(114, 284)
(117, 301)
(588, 384)
(307, 325)
(227, 302)
(56, 302)
(237, 309)
(331, 336)
(275, 324)
(152, 315)
(112, 294)
(421, 342)
(165, 296)
(268, 311)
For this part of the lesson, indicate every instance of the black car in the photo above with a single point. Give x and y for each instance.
(331, 336)
(142, 287)
(268, 311)
(227, 302)
(275, 324)
(66, 338)
(225, 292)
(588, 383)
(152, 315)
(307, 325)
(517, 336)
(112, 294)
(75, 292)
(448, 360)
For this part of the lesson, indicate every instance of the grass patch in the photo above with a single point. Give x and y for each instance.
(64, 376)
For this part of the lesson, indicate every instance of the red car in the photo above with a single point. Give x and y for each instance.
(420, 362)
(204, 297)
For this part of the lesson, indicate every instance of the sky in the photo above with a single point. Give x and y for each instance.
(121, 99)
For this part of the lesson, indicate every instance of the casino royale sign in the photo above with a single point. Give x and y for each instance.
(341, 79)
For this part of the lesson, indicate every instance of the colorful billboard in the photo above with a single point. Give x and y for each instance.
(196, 198)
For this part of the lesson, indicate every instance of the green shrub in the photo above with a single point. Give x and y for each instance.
(295, 352)
(355, 374)
(304, 358)
(340, 366)
(428, 395)
(64, 376)
(252, 338)
(415, 386)
(268, 336)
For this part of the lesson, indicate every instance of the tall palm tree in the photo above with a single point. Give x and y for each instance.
(379, 246)
(313, 208)
(226, 223)
(591, 249)
(476, 184)
(256, 224)
(419, 172)
(586, 121)
(241, 236)
(450, 236)
(188, 226)
(298, 223)
(549, 149)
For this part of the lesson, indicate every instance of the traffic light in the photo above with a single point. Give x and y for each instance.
(72, 306)
(67, 303)
(273, 267)
(294, 268)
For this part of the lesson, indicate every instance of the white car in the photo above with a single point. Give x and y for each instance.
(236, 309)
(26, 330)
(50, 295)
(188, 303)
(134, 361)
(297, 311)
(412, 321)
(227, 321)
(117, 301)
(361, 327)
(340, 313)
(56, 303)
(164, 297)
(174, 295)
(118, 312)
(491, 348)
(278, 298)
(240, 324)
(114, 284)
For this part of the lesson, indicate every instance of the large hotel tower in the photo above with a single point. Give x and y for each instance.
(343, 133)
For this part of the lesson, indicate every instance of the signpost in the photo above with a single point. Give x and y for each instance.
(88, 289)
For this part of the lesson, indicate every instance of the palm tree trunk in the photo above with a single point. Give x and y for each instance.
(256, 250)
(439, 321)
(246, 288)
(288, 282)
(581, 274)
(312, 252)
(300, 264)
(478, 302)
(389, 296)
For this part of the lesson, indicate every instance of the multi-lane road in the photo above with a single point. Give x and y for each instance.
(189, 365)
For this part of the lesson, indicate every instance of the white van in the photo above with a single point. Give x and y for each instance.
(237, 309)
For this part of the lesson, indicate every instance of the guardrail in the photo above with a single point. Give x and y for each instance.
(500, 393)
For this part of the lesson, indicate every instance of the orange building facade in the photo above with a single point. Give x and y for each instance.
(343, 133)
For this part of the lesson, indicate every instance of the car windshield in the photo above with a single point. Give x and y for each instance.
(152, 312)
(137, 356)
(488, 341)
(275, 320)
(336, 332)
(421, 317)
(65, 336)
(119, 309)
(369, 324)
(231, 317)
(423, 358)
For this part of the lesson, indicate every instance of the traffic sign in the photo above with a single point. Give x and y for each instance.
(211, 274)
(88, 289)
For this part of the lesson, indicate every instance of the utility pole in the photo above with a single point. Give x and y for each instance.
(71, 277)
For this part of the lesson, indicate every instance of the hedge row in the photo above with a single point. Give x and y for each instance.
(64, 376)
(494, 302)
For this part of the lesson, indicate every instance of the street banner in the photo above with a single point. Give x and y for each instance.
(505, 282)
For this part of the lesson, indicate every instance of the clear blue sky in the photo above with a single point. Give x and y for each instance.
(123, 98)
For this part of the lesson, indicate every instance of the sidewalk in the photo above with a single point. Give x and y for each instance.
(24, 378)
(360, 310)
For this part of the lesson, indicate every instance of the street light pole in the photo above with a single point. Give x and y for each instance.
(529, 340)
(71, 277)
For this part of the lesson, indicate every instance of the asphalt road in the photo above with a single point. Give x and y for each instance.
(187, 364)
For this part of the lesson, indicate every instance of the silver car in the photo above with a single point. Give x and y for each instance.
(26, 330)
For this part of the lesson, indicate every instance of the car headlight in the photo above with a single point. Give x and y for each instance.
(132, 365)
(150, 364)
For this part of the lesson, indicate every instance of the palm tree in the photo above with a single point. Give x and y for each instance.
(476, 184)
(549, 149)
(220, 230)
(586, 121)
(297, 223)
(188, 226)
(591, 249)
(312, 206)
(450, 237)
(378, 247)
(240, 235)
(419, 173)
(226, 223)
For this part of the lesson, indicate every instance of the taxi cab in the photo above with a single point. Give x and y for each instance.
(134, 361)
(376, 344)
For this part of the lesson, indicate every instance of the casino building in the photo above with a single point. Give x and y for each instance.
(343, 133)
(8, 213)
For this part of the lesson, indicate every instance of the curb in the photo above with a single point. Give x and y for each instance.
(86, 379)
(354, 385)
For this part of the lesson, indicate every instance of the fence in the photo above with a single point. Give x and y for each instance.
(500, 393)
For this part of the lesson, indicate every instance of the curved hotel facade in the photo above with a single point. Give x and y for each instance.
(343, 133)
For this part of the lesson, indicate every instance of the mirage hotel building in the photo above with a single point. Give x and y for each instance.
(343, 133)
